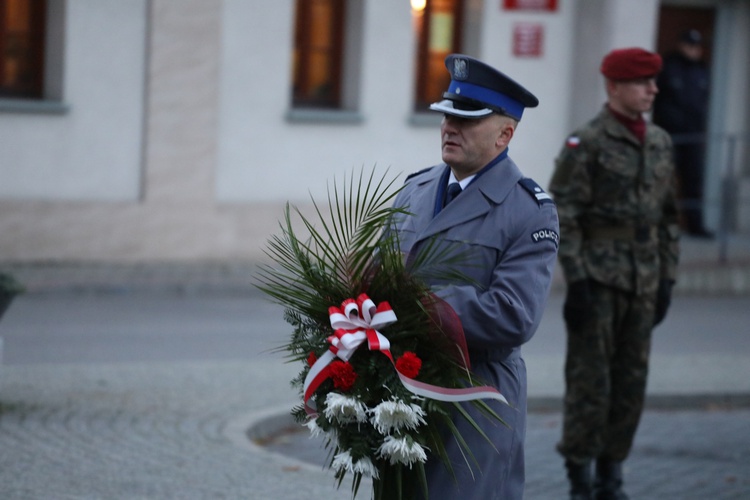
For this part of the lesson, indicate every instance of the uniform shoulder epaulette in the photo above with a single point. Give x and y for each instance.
(420, 172)
(536, 191)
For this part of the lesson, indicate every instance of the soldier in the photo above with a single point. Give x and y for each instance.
(614, 188)
(506, 228)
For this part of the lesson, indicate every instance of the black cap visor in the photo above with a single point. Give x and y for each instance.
(464, 107)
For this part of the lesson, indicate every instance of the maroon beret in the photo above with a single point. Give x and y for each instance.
(630, 63)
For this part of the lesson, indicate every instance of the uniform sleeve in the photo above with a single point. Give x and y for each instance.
(571, 188)
(507, 312)
(669, 234)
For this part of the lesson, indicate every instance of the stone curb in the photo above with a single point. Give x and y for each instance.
(253, 431)
(250, 431)
(238, 278)
(729, 279)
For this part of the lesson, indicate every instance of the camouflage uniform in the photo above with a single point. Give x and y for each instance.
(618, 223)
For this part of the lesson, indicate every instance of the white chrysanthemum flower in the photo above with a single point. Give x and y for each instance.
(364, 466)
(396, 415)
(402, 450)
(315, 429)
(344, 409)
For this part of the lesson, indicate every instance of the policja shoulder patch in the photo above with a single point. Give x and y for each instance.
(545, 234)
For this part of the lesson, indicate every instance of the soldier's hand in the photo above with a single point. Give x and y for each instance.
(663, 299)
(577, 306)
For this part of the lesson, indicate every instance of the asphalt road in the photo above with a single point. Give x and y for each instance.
(153, 327)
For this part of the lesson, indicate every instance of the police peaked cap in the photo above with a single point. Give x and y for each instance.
(477, 90)
(692, 37)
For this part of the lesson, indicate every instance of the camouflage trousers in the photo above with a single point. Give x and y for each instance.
(605, 375)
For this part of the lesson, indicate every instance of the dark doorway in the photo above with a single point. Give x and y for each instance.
(673, 20)
(682, 105)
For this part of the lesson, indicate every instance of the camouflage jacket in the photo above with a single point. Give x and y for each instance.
(616, 202)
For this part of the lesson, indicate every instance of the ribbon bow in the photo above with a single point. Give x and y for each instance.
(357, 321)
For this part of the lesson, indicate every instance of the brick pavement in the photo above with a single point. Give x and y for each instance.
(686, 454)
(150, 431)
(179, 431)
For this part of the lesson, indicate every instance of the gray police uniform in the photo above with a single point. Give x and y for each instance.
(508, 228)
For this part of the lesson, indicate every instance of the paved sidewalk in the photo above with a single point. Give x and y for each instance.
(689, 454)
(182, 429)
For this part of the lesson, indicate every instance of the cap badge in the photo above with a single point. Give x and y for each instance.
(460, 69)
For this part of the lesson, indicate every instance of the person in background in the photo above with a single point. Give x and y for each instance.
(613, 184)
(505, 227)
(681, 108)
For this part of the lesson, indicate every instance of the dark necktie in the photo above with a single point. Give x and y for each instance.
(454, 189)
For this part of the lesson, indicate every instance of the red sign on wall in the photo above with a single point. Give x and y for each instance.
(548, 5)
(528, 39)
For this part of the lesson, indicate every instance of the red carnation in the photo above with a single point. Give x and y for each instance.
(409, 364)
(311, 359)
(343, 375)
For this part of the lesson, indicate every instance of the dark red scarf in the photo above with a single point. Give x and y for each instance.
(636, 126)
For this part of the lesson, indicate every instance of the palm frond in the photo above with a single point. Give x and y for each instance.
(349, 248)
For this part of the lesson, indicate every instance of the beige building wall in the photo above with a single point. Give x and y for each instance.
(174, 139)
(172, 212)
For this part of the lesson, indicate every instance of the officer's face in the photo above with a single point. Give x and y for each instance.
(470, 144)
(632, 97)
(692, 51)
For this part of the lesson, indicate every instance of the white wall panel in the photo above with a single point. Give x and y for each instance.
(262, 156)
(542, 129)
(92, 152)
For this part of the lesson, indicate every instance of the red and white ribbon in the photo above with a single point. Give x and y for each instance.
(358, 321)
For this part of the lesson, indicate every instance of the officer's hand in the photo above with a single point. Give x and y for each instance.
(663, 299)
(577, 307)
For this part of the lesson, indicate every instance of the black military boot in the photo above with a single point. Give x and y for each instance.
(608, 485)
(579, 476)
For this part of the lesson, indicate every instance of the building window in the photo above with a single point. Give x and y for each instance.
(318, 54)
(438, 29)
(22, 42)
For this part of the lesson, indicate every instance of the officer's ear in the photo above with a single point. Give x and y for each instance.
(611, 86)
(507, 129)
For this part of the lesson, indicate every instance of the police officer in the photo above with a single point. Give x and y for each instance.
(681, 108)
(505, 228)
(614, 188)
